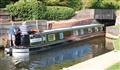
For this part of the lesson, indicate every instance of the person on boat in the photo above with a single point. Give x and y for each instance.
(11, 35)
(24, 35)
(18, 36)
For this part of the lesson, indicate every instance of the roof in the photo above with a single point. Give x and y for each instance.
(70, 28)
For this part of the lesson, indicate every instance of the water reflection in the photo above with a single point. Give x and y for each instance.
(74, 51)
(20, 57)
(21, 61)
(60, 56)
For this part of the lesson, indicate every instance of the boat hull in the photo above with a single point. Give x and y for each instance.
(20, 50)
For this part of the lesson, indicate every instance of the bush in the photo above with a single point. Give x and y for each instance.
(58, 13)
(27, 10)
(51, 2)
(75, 4)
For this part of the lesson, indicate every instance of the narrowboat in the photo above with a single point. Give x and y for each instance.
(43, 40)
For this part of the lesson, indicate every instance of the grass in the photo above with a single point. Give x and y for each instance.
(117, 26)
(117, 44)
(115, 66)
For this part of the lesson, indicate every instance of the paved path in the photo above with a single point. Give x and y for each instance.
(97, 63)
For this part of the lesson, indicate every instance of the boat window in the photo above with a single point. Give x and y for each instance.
(67, 34)
(93, 29)
(96, 29)
(101, 28)
(57, 36)
(44, 38)
(89, 30)
(86, 31)
(61, 35)
(75, 32)
(51, 37)
(81, 32)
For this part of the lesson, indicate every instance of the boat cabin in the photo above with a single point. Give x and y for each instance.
(53, 36)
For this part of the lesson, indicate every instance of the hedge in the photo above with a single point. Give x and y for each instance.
(58, 13)
(27, 10)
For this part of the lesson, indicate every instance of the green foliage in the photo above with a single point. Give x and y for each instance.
(51, 2)
(86, 3)
(96, 4)
(27, 9)
(117, 44)
(105, 4)
(58, 13)
(33, 9)
(3, 3)
(38, 10)
(117, 25)
(114, 67)
(75, 4)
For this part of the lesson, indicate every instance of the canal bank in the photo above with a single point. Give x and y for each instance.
(98, 63)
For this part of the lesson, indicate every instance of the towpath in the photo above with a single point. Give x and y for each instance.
(98, 63)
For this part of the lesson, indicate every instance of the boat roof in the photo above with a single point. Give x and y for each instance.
(70, 28)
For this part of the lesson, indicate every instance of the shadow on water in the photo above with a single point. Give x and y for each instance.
(62, 56)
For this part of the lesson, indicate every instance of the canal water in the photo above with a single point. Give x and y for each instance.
(64, 55)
